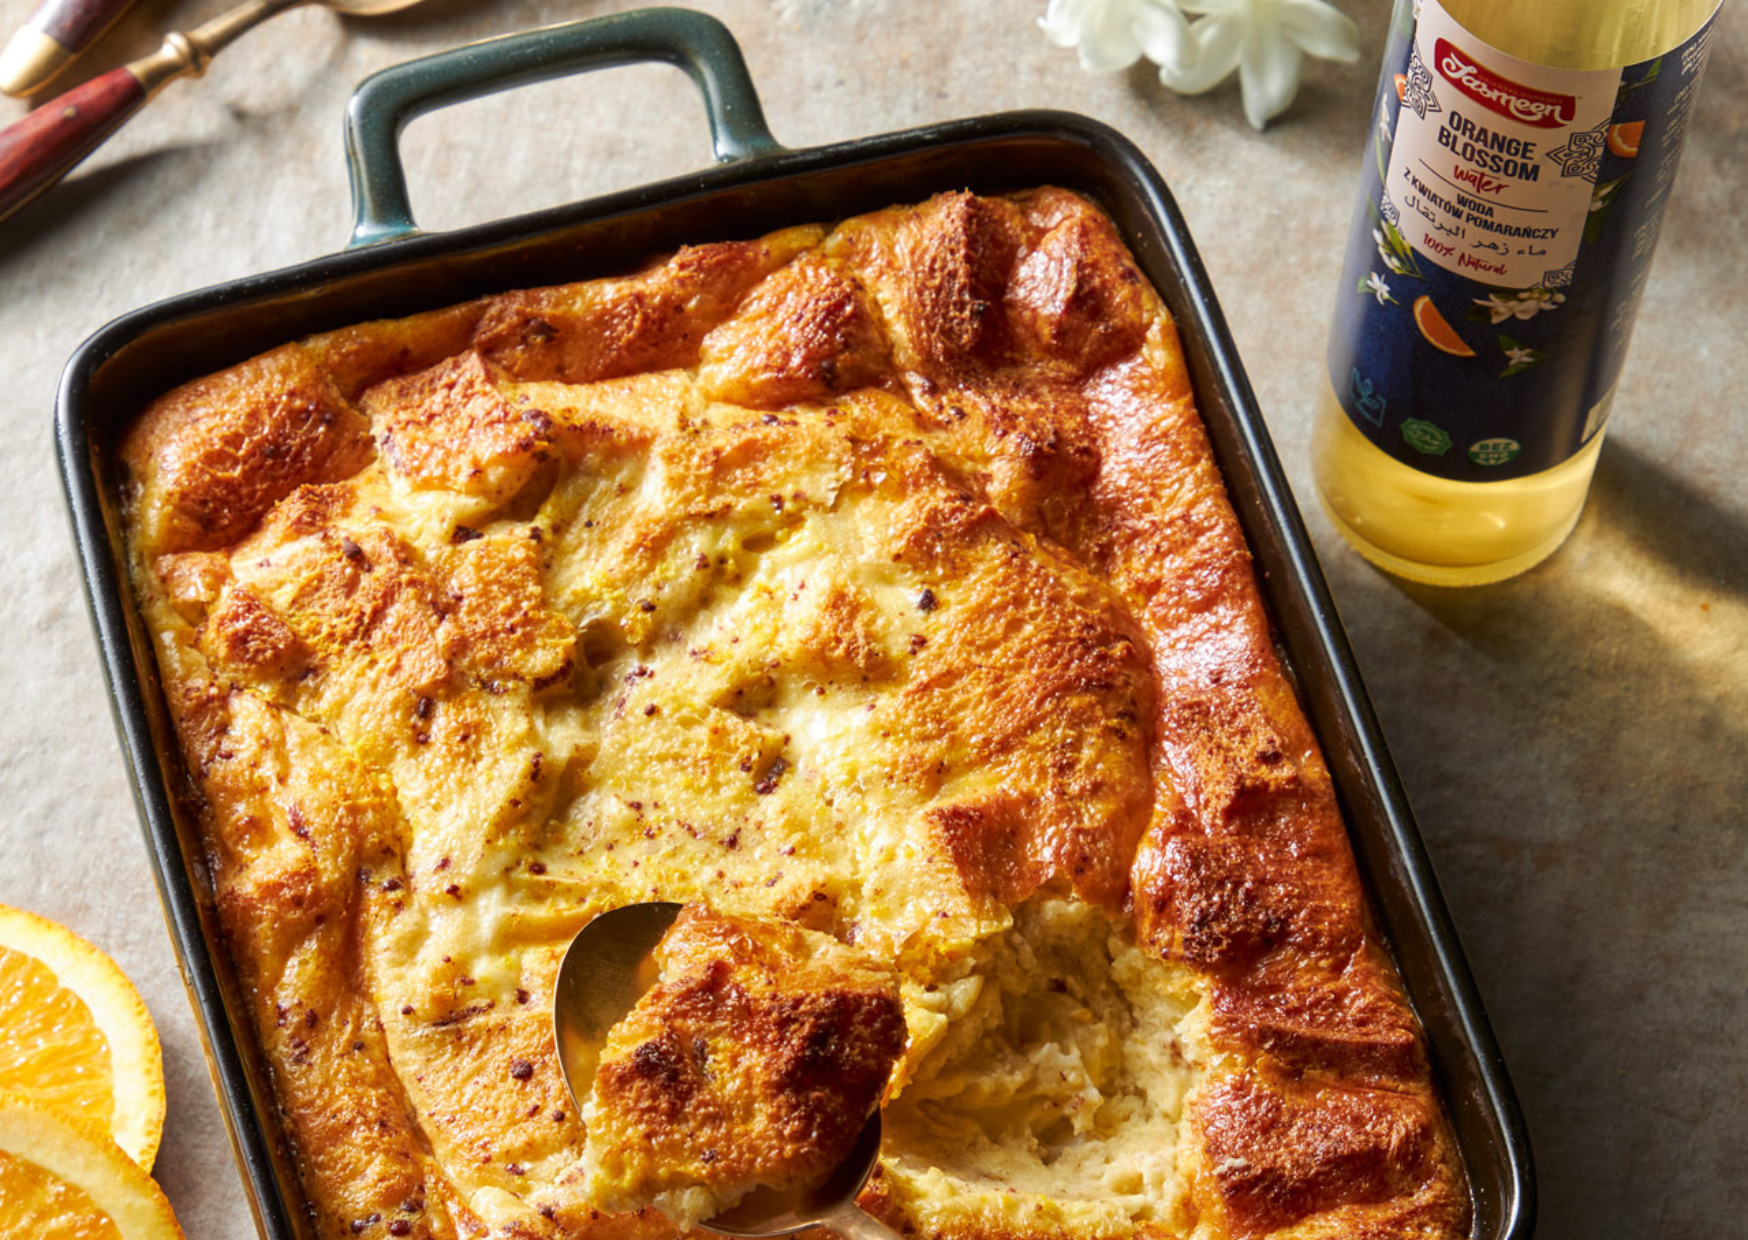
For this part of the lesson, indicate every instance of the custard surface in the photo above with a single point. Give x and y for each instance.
(877, 578)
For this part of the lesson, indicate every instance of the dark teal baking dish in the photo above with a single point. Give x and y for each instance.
(393, 269)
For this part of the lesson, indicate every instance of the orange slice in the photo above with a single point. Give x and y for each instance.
(1438, 333)
(75, 1037)
(1623, 139)
(64, 1180)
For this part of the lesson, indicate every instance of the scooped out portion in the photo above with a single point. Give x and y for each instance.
(753, 1062)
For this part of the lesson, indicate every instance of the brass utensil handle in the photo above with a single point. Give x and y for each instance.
(386, 101)
(58, 31)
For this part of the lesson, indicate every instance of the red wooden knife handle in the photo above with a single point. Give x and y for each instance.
(36, 151)
(75, 24)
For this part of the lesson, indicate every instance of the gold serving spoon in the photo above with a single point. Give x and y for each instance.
(607, 968)
(43, 147)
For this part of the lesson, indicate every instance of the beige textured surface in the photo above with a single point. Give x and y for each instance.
(1573, 741)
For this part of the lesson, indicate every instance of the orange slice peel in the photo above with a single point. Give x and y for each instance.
(64, 1178)
(75, 1037)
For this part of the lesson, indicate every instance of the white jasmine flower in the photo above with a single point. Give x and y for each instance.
(1389, 255)
(1377, 287)
(1266, 41)
(1532, 302)
(1519, 357)
(1498, 308)
(1525, 305)
(1114, 34)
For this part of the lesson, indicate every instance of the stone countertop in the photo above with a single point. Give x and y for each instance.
(1575, 742)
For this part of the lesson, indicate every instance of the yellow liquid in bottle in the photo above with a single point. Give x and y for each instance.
(1432, 529)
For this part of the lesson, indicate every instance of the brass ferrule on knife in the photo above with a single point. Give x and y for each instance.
(31, 59)
(57, 31)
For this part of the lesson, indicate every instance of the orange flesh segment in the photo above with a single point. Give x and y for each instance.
(36, 1203)
(50, 1047)
(1439, 334)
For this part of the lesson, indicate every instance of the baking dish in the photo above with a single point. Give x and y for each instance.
(392, 270)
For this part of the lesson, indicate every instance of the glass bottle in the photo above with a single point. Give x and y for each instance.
(1519, 163)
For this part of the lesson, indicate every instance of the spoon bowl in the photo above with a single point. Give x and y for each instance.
(776, 1212)
(367, 8)
(608, 967)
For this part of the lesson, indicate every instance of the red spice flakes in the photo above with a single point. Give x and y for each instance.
(768, 784)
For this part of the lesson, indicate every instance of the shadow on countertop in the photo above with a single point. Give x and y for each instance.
(57, 211)
(1575, 744)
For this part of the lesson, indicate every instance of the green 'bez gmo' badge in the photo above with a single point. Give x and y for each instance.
(1426, 438)
(1493, 451)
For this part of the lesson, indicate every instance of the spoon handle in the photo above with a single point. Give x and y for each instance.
(851, 1222)
(58, 31)
(51, 141)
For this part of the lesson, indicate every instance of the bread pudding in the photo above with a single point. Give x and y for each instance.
(874, 578)
(752, 1063)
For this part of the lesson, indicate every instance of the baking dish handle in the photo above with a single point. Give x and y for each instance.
(386, 101)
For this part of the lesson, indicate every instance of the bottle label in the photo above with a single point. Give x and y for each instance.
(1501, 245)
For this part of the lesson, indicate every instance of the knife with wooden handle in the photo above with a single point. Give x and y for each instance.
(36, 151)
(58, 31)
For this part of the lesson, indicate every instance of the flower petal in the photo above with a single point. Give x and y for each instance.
(1101, 30)
(1269, 73)
(1321, 29)
(1108, 56)
(1108, 42)
(1218, 39)
(1064, 21)
(1164, 35)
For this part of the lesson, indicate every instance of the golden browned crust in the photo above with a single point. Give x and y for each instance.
(879, 579)
(284, 425)
(754, 1061)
